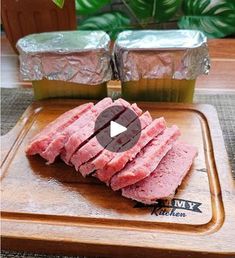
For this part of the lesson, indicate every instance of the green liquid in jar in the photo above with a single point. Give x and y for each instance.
(44, 89)
(161, 90)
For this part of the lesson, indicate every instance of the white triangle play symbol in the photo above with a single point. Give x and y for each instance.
(116, 129)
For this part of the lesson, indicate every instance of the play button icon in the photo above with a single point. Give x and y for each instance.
(116, 129)
(120, 130)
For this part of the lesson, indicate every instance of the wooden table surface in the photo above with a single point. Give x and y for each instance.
(221, 77)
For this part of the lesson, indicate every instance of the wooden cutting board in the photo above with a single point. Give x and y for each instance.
(53, 209)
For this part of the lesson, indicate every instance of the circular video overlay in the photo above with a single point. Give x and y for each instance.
(118, 128)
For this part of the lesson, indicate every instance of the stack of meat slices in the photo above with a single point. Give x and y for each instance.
(152, 169)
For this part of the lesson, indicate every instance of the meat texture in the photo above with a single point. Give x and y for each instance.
(79, 137)
(121, 158)
(41, 141)
(105, 156)
(147, 160)
(93, 147)
(164, 180)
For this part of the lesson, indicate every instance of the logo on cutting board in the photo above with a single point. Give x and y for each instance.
(174, 207)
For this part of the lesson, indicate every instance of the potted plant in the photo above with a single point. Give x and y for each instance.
(216, 18)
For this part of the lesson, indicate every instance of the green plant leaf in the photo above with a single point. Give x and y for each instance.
(215, 19)
(166, 9)
(59, 3)
(112, 23)
(143, 9)
(159, 10)
(86, 7)
(231, 3)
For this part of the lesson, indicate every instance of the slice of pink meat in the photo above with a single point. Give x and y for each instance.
(93, 147)
(40, 142)
(165, 179)
(57, 144)
(79, 137)
(105, 156)
(121, 158)
(147, 160)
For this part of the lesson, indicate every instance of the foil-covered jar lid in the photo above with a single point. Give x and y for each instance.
(157, 54)
(73, 56)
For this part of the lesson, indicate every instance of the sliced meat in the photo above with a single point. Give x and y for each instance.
(165, 179)
(92, 148)
(57, 144)
(147, 160)
(121, 158)
(40, 142)
(80, 137)
(105, 156)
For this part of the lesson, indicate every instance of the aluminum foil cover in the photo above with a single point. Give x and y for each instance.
(155, 54)
(73, 56)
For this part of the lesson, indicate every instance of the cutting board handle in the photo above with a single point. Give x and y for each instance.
(9, 139)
